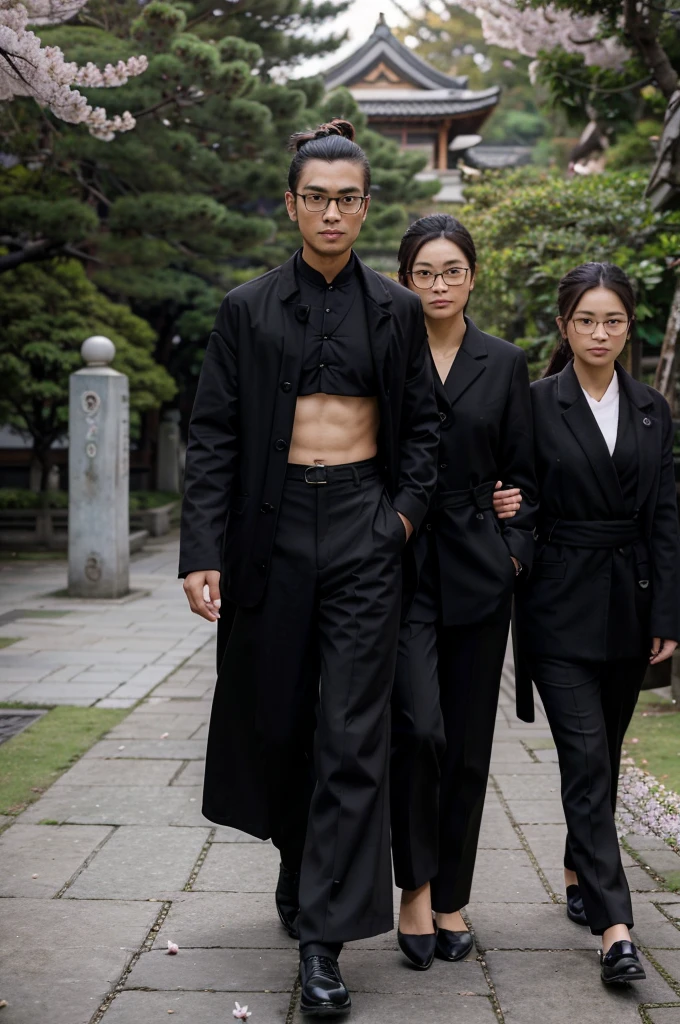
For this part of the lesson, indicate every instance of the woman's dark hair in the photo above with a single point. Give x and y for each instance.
(570, 291)
(332, 141)
(427, 229)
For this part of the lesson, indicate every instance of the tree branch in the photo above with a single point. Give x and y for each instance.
(32, 253)
(600, 90)
(642, 31)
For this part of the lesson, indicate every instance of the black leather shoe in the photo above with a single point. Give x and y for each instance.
(419, 949)
(575, 911)
(620, 964)
(288, 900)
(323, 991)
(452, 946)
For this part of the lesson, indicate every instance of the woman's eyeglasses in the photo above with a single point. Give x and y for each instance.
(614, 326)
(426, 278)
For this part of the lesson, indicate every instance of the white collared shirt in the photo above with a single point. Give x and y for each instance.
(606, 412)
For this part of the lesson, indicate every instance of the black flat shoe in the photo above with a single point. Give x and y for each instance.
(419, 949)
(288, 900)
(323, 992)
(620, 964)
(452, 946)
(575, 911)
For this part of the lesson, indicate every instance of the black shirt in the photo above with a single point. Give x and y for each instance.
(337, 356)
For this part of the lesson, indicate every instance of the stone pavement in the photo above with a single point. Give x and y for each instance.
(108, 653)
(115, 860)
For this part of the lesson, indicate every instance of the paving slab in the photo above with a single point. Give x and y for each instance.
(542, 987)
(140, 863)
(179, 750)
(530, 926)
(507, 876)
(141, 726)
(57, 962)
(539, 811)
(205, 920)
(239, 867)
(670, 961)
(192, 774)
(221, 970)
(37, 860)
(664, 1014)
(528, 787)
(117, 772)
(652, 927)
(369, 970)
(640, 881)
(119, 805)
(195, 1007)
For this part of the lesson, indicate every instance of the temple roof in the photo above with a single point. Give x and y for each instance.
(424, 103)
(382, 48)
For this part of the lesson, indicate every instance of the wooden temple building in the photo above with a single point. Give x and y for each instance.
(411, 102)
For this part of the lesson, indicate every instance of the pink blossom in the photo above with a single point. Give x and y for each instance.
(241, 1012)
(172, 948)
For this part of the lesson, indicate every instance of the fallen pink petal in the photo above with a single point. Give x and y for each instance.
(172, 948)
(241, 1012)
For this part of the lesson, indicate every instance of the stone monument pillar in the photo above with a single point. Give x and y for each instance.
(167, 474)
(99, 446)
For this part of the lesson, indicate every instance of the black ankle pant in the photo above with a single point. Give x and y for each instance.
(589, 707)
(443, 717)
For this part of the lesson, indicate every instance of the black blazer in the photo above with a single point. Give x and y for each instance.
(567, 608)
(486, 435)
(242, 422)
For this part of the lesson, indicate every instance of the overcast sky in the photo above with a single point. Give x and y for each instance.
(360, 19)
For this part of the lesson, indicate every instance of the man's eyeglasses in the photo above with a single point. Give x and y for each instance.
(315, 203)
(613, 326)
(426, 278)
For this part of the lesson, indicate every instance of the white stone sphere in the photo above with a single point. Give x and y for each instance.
(98, 350)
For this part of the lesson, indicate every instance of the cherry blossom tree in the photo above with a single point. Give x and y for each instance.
(530, 31)
(27, 68)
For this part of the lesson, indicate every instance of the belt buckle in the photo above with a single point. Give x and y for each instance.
(315, 483)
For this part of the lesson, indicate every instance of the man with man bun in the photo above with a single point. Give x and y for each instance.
(311, 459)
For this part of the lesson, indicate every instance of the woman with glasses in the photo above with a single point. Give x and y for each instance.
(603, 599)
(453, 640)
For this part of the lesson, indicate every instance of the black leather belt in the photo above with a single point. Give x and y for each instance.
(480, 497)
(318, 476)
(590, 533)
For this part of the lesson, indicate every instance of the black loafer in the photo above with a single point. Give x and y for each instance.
(323, 991)
(288, 900)
(418, 949)
(575, 911)
(620, 964)
(452, 946)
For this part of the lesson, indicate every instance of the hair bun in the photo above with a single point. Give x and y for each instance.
(337, 126)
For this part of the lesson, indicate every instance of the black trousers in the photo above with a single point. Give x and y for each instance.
(325, 639)
(443, 717)
(589, 707)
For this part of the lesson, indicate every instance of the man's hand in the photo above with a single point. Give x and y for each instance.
(203, 593)
(661, 650)
(407, 525)
(506, 503)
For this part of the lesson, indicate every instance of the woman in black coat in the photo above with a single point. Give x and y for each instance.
(454, 636)
(603, 599)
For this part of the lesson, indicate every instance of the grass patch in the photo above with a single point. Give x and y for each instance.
(33, 760)
(656, 727)
(672, 880)
(7, 641)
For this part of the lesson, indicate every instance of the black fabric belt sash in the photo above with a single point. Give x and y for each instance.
(317, 476)
(480, 497)
(592, 533)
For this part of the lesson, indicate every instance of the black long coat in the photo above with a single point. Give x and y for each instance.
(242, 422)
(567, 608)
(486, 435)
